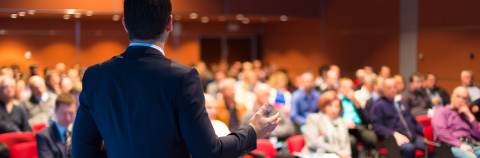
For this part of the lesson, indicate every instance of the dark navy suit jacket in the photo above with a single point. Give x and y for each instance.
(142, 104)
(49, 143)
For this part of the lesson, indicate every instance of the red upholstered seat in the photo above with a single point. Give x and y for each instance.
(418, 153)
(24, 150)
(425, 120)
(428, 133)
(38, 127)
(296, 143)
(264, 146)
(11, 139)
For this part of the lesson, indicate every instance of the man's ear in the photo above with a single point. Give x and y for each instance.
(124, 26)
(170, 24)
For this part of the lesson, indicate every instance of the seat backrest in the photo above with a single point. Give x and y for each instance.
(39, 126)
(16, 138)
(264, 146)
(428, 133)
(424, 120)
(296, 143)
(24, 150)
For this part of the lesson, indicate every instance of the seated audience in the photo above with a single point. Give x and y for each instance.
(304, 100)
(211, 105)
(320, 80)
(392, 118)
(51, 141)
(40, 104)
(400, 87)
(53, 82)
(376, 94)
(66, 85)
(330, 124)
(12, 118)
(438, 96)
(331, 82)
(20, 91)
(455, 125)
(369, 72)
(244, 94)
(354, 118)
(384, 71)
(360, 75)
(364, 93)
(416, 98)
(467, 81)
(229, 111)
(284, 128)
(212, 87)
(17, 75)
(60, 69)
(279, 96)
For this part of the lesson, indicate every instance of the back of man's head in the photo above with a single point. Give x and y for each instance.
(146, 19)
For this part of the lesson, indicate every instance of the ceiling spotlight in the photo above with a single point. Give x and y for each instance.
(78, 15)
(31, 12)
(89, 13)
(205, 19)
(178, 17)
(245, 20)
(263, 19)
(240, 17)
(28, 55)
(13, 16)
(66, 16)
(221, 18)
(116, 17)
(283, 18)
(2, 32)
(193, 15)
(70, 11)
(21, 13)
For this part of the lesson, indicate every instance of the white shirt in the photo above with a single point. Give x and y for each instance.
(220, 128)
(362, 96)
(474, 92)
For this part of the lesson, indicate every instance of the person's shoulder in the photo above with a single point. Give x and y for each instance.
(45, 132)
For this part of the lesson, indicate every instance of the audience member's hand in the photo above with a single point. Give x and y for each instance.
(435, 100)
(464, 109)
(475, 109)
(344, 154)
(264, 126)
(466, 147)
(350, 124)
(401, 139)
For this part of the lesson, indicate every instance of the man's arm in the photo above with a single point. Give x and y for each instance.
(25, 127)
(378, 123)
(440, 126)
(86, 139)
(294, 112)
(197, 131)
(44, 151)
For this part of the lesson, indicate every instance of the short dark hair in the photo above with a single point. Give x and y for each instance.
(410, 78)
(428, 74)
(65, 99)
(15, 66)
(323, 68)
(146, 19)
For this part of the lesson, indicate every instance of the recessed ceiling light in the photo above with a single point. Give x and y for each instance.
(21, 13)
(14, 16)
(221, 18)
(70, 11)
(28, 55)
(204, 19)
(78, 15)
(245, 21)
(31, 12)
(240, 16)
(66, 16)
(116, 17)
(193, 15)
(89, 13)
(283, 18)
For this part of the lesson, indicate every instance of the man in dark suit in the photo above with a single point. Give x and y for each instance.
(51, 140)
(142, 104)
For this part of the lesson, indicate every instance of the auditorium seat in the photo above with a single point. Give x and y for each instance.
(264, 146)
(38, 127)
(24, 150)
(11, 139)
(424, 120)
(296, 143)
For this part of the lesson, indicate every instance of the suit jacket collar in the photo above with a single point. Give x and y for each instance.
(57, 139)
(141, 50)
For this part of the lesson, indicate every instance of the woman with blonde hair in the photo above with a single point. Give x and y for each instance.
(279, 96)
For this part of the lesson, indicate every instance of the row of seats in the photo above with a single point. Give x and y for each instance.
(21, 144)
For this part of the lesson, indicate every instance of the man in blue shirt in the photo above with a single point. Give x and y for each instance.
(304, 100)
(354, 118)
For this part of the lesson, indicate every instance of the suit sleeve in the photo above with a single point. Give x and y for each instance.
(43, 149)
(197, 130)
(378, 123)
(86, 138)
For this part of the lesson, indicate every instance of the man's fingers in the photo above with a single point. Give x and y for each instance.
(262, 110)
(273, 118)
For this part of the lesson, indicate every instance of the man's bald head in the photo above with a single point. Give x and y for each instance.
(7, 88)
(37, 86)
(460, 97)
(211, 106)
(262, 92)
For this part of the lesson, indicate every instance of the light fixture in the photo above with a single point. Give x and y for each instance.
(283, 18)
(263, 19)
(28, 55)
(70, 11)
(221, 18)
(240, 16)
(193, 15)
(66, 16)
(245, 20)
(89, 13)
(116, 17)
(14, 16)
(78, 15)
(21, 13)
(178, 17)
(204, 19)
(2, 32)
(31, 12)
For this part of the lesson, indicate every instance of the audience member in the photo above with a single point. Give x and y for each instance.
(416, 98)
(53, 82)
(40, 104)
(467, 81)
(354, 118)
(223, 67)
(212, 87)
(73, 75)
(320, 80)
(51, 141)
(375, 95)
(60, 68)
(244, 91)
(438, 96)
(384, 71)
(229, 111)
(20, 91)
(211, 105)
(331, 82)
(330, 124)
(34, 69)
(393, 118)
(6, 71)
(16, 72)
(12, 118)
(66, 85)
(285, 127)
(400, 87)
(369, 72)
(279, 96)
(364, 93)
(455, 125)
(304, 100)
(360, 75)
